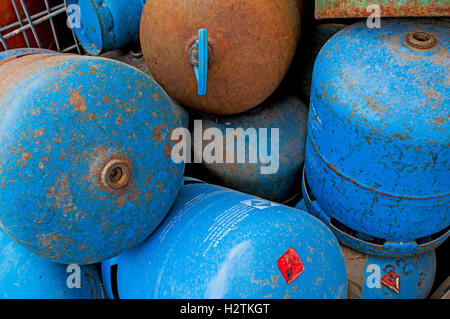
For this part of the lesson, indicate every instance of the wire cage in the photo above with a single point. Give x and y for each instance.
(36, 24)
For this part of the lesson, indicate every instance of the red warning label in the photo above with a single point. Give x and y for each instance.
(391, 280)
(290, 265)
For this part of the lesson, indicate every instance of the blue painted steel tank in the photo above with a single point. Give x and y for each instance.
(105, 25)
(86, 156)
(377, 150)
(375, 276)
(26, 276)
(219, 243)
(283, 112)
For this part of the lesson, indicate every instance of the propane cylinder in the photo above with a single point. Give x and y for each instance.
(280, 122)
(104, 25)
(85, 154)
(219, 243)
(26, 276)
(220, 57)
(373, 276)
(380, 97)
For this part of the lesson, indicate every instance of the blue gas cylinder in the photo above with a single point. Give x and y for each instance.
(104, 25)
(219, 243)
(273, 171)
(373, 275)
(377, 149)
(26, 276)
(85, 149)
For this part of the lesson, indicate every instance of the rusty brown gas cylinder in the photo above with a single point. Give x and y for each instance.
(251, 45)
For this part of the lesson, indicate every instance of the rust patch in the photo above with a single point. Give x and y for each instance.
(76, 100)
(157, 134)
(168, 150)
(358, 9)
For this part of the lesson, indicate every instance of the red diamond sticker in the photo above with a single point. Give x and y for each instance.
(392, 281)
(290, 265)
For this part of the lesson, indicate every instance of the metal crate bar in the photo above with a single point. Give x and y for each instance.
(31, 21)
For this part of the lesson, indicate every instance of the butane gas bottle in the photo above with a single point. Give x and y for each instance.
(219, 243)
(377, 152)
(220, 57)
(104, 25)
(26, 276)
(85, 154)
(273, 135)
(375, 276)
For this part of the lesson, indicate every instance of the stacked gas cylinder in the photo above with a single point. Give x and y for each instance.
(95, 155)
(377, 161)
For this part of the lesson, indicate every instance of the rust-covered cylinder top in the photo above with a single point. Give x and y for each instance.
(251, 45)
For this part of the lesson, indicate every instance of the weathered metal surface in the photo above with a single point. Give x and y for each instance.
(415, 273)
(26, 276)
(252, 44)
(389, 8)
(404, 277)
(69, 125)
(283, 112)
(240, 248)
(107, 24)
(365, 243)
(384, 106)
(137, 60)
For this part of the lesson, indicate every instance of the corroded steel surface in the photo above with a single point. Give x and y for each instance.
(219, 243)
(378, 146)
(283, 112)
(415, 275)
(389, 8)
(251, 46)
(68, 124)
(364, 243)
